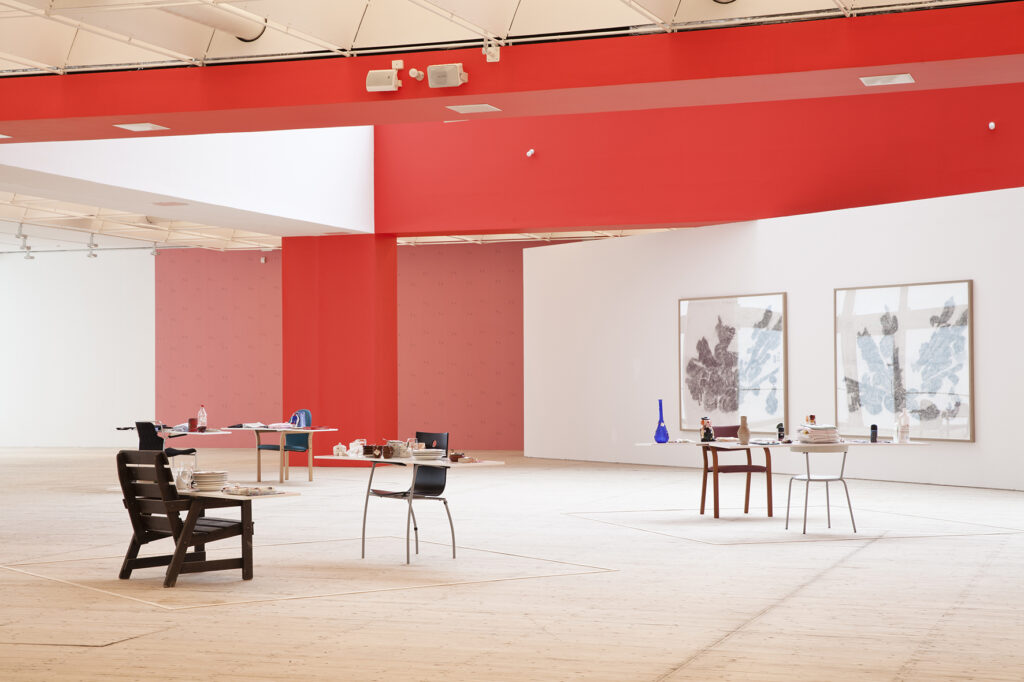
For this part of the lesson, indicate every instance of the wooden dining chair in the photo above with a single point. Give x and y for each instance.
(155, 507)
(715, 469)
(293, 442)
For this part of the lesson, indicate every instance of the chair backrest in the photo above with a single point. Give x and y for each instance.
(150, 497)
(149, 439)
(300, 440)
(430, 481)
(434, 440)
(730, 431)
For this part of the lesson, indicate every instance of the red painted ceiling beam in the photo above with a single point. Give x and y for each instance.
(943, 48)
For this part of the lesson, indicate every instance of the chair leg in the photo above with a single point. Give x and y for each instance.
(849, 504)
(182, 545)
(807, 493)
(768, 477)
(129, 558)
(415, 529)
(789, 496)
(366, 505)
(746, 499)
(259, 462)
(452, 525)
(703, 490)
(408, 521)
(247, 529)
(828, 506)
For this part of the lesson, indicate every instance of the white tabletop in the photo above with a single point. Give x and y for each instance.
(208, 432)
(217, 494)
(405, 461)
(268, 429)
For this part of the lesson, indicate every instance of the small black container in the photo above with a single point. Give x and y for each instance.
(782, 431)
(874, 433)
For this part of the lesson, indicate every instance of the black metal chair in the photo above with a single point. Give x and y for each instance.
(428, 483)
(149, 439)
(154, 507)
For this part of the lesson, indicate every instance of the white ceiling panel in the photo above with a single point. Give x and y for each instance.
(538, 17)
(35, 40)
(333, 21)
(154, 27)
(712, 11)
(664, 10)
(401, 22)
(494, 17)
(90, 49)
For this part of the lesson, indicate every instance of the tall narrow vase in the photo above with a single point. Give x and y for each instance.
(743, 433)
(661, 433)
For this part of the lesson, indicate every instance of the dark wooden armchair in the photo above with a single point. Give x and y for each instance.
(154, 507)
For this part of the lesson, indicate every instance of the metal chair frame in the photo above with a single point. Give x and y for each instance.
(809, 478)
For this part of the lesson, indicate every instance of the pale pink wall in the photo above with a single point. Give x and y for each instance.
(218, 340)
(460, 343)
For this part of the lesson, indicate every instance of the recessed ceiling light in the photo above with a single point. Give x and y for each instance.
(140, 127)
(170, 203)
(893, 79)
(472, 108)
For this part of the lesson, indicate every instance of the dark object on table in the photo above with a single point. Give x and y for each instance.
(154, 507)
(428, 484)
(782, 431)
(748, 468)
(149, 439)
(874, 433)
(707, 432)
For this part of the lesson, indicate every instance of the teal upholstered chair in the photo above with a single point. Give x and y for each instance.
(292, 442)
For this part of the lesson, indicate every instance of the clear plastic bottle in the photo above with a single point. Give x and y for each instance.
(903, 428)
(201, 418)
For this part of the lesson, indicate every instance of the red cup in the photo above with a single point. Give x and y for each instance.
(193, 423)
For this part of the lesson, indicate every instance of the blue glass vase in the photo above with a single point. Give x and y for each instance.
(661, 433)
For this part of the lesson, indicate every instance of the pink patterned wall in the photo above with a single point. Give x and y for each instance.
(460, 343)
(218, 340)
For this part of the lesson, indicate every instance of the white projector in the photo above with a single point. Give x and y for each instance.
(382, 80)
(446, 75)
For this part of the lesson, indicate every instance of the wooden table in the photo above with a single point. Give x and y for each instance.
(283, 464)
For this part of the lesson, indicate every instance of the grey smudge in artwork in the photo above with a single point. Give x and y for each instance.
(880, 387)
(712, 377)
(940, 362)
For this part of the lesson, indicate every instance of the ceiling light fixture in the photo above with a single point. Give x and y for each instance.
(891, 79)
(28, 253)
(140, 127)
(446, 75)
(92, 247)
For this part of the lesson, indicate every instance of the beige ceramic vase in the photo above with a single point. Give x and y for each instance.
(743, 433)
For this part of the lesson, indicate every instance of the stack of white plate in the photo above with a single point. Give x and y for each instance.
(428, 454)
(210, 480)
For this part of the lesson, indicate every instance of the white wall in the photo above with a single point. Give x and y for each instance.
(77, 347)
(600, 326)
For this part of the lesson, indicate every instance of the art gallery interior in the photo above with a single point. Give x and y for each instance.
(275, 230)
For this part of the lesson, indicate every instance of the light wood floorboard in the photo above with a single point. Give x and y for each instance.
(566, 571)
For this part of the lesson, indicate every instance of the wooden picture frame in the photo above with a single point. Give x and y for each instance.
(732, 361)
(905, 346)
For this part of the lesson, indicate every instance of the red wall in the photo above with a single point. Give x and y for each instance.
(697, 165)
(218, 340)
(460, 343)
(340, 330)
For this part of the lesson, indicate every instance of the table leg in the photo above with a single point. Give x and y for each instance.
(746, 497)
(309, 451)
(366, 505)
(828, 506)
(281, 465)
(768, 477)
(714, 481)
(807, 488)
(258, 458)
(704, 480)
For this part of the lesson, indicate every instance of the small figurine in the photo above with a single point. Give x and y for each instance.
(707, 433)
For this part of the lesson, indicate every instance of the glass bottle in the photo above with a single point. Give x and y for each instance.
(661, 433)
(201, 419)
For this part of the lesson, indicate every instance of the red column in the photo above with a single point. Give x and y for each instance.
(340, 336)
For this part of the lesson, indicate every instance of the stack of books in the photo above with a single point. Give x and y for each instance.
(819, 434)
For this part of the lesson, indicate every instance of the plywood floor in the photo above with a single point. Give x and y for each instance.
(566, 571)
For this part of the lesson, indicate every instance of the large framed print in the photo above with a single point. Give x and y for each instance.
(910, 347)
(732, 361)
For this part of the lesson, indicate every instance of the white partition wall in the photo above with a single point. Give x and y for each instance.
(600, 326)
(76, 347)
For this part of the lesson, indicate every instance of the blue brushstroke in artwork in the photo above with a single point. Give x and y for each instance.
(762, 365)
(881, 384)
(940, 362)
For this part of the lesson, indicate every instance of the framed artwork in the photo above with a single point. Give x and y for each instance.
(732, 361)
(907, 347)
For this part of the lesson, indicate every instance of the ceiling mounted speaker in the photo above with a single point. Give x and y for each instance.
(446, 75)
(382, 80)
